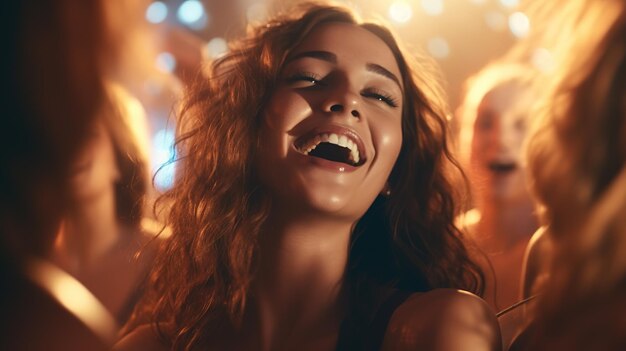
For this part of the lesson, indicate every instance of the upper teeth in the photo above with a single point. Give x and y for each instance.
(332, 138)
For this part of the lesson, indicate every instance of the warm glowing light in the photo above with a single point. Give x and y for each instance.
(400, 12)
(519, 24)
(72, 295)
(156, 12)
(162, 153)
(166, 62)
(478, 2)
(496, 21)
(215, 48)
(510, 3)
(151, 226)
(439, 48)
(433, 7)
(543, 60)
(192, 14)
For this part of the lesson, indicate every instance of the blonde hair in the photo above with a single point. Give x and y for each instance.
(577, 158)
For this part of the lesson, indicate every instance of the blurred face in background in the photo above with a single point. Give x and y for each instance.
(95, 169)
(499, 132)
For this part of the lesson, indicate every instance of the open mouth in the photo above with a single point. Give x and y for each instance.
(502, 167)
(333, 147)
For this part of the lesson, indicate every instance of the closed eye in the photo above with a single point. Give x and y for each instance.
(381, 96)
(304, 79)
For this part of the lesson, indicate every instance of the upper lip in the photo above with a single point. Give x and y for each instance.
(335, 129)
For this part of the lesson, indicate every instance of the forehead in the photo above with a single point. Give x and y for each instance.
(352, 44)
(515, 98)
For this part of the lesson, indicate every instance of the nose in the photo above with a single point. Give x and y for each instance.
(342, 101)
(505, 138)
(341, 108)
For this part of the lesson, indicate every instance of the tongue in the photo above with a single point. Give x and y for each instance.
(332, 152)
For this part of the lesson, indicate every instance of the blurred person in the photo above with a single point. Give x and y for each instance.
(314, 208)
(58, 52)
(101, 241)
(494, 119)
(577, 160)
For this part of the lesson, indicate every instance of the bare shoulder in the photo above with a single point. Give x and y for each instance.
(442, 320)
(144, 338)
(540, 243)
(536, 262)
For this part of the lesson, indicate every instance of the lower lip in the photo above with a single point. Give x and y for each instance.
(328, 165)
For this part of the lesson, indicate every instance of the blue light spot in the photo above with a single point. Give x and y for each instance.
(190, 11)
(163, 155)
(166, 62)
(156, 12)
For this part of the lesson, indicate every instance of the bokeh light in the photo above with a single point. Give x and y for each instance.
(496, 21)
(192, 14)
(156, 12)
(438, 48)
(519, 24)
(510, 3)
(215, 48)
(543, 60)
(257, 12)
(166, 62)
(400, 11)
(432, 7)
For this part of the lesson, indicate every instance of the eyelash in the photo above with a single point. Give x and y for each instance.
(305, 77)
(381, 96)
(315, 79)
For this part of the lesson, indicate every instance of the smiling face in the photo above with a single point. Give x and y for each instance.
(331, 131)
(499, 132)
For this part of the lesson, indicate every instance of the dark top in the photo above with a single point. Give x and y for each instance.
(370, 338)
(32, 320)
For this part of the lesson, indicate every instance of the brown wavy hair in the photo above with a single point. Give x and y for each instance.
(407, 240)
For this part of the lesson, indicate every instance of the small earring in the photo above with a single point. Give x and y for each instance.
(386, 192)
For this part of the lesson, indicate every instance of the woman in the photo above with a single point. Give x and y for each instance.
(314, 210)
(101, 234)
(494, 119)
(578, 163)
(56, 88)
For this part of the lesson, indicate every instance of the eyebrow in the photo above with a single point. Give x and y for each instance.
(322, 55)
(372, 67)
(332, 58)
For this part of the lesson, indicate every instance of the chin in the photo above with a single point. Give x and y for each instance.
(334, 204)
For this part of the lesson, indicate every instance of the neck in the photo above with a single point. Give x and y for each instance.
(505, 225)
(87, 233)
(302, 263)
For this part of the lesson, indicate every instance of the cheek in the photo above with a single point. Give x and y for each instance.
(479, 143)
(285, 110)
(388, 138)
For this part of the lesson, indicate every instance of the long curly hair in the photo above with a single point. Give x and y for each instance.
(408, 240)
(577, 159)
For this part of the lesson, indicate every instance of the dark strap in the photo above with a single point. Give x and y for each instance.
(371, 339)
